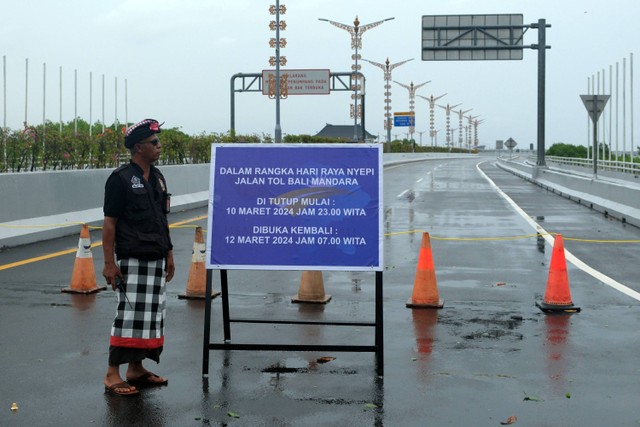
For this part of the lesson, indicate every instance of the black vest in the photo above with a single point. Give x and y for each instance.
(143, 231)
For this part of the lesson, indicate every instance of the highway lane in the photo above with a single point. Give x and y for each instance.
(488, 284)
(419, 197)
(429, 199)
(471, 363)
(606, 244)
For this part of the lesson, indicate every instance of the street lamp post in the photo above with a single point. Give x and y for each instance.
(4, 109)
(412, 96)
(387, 67)
(355, 31)
(432, 103)
(475, 131)
(460, 117)
(467, 130)
(470, 127)
(435, 133)
(448, 109)
(277, 60)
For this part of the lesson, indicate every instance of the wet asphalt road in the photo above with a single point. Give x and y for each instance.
(487, 355)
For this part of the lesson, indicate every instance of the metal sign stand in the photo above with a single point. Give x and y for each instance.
(377, 347)
(252, 82)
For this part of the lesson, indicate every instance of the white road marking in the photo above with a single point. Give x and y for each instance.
(403, 193)
(568, 255)
(420, 180)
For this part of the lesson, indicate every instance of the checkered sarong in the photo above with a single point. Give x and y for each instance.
(139, 321)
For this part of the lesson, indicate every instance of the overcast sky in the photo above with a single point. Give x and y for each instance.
(178, 57)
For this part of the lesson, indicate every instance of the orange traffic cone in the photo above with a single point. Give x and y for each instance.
(197, 280)
(311, 289)
(83, 278)
(425, 287)
(557, 298)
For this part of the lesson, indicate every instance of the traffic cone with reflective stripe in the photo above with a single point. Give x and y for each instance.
(197, 280)
(557, 298)
(311, 289)
(425, 288)
(83, 278)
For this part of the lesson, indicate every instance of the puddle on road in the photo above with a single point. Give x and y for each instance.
(283, 370)
(495, 327)
(491, 333)
(541, 243)
(356, 285)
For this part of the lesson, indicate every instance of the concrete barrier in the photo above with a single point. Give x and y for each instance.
(38, 206)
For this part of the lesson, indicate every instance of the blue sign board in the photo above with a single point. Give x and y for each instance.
(295, 207)
(404, 120)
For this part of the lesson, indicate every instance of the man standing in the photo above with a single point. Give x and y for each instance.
(136, 232)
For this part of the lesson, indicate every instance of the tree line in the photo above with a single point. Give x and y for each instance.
(79, 145)
(560, 149)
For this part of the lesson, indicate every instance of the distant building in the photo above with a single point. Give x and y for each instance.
(344, 132)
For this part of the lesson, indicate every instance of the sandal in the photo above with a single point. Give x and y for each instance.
(113, 389)
(145, 380)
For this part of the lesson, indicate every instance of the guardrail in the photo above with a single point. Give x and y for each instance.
(603, 165)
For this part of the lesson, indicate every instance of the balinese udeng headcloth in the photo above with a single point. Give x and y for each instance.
(140, 131)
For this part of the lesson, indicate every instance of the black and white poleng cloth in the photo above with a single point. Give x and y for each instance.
(139, 321)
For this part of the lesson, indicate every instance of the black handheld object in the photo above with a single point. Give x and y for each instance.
(120, 286)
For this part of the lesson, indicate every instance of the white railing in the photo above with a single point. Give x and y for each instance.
(603, 165)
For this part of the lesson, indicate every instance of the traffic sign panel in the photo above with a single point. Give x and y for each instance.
(594, 105)
(301, 82)
(404, 120)
(472, 37)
